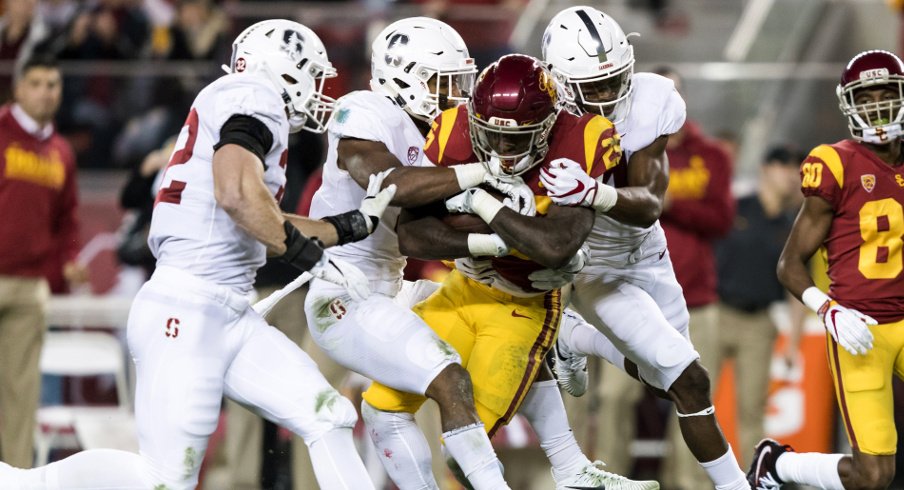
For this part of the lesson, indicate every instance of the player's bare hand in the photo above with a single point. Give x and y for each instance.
(848, 327)
(342, 273)
(377, 199)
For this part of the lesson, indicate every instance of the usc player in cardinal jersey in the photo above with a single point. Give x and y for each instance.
(501, 311)
(854, 207)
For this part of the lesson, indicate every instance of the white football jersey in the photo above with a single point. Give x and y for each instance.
(656, 109)
(369, 116)
(189, 231)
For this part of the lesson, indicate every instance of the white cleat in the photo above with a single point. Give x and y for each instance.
(592, 478)
(570, 368)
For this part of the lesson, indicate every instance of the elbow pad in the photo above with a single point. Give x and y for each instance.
(247, 132)
(301, 251)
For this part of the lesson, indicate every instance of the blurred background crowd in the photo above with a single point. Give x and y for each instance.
(758, 77)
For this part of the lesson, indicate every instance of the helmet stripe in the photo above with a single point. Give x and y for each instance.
(595, 34)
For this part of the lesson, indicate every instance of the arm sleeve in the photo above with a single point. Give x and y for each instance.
(711, 216)
(250, 97)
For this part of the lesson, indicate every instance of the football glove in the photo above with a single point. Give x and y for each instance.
(567, 184)
(549, 279)
(376, 200)
(476, 269)
(342, 273)
(848, 327)
(518, 196)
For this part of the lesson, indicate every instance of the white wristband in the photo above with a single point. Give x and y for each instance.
(485, 205)
(814, 298)
(469, 175)
(605, 198)
(486, 244)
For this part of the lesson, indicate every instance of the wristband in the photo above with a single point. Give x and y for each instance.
(485, 244)
(350, 226)
(469, 175)
(605, 198)
(815, 299)
(301, 251)
(485, 205)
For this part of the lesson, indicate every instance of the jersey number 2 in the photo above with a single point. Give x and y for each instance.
(185, 147)
(882, 230)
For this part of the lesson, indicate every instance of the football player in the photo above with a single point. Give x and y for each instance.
(628, 290)
(854, 208)
(191, 331)
(419, 67)
(499, 321)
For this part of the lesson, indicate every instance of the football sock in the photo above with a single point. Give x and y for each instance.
(725, 472)
(401, 446)
(544, 409)
(815, 469)
(471, 449)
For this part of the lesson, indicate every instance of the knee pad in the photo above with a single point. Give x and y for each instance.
(335, 410)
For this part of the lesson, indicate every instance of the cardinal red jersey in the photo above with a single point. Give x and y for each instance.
(865, 243)
(590, 140)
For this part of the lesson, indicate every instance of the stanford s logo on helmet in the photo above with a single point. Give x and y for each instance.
(512, 112)
(294, 59)
(423, 65)
(877, 122)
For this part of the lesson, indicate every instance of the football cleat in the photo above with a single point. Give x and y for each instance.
(570, 368)
(762, 474)
(591, 477)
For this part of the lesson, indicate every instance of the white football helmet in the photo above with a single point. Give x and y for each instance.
(591, 56)
(292, 57)
(411, 52)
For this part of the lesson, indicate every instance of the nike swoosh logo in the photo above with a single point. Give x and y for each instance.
(519, 315)
(759, 462)
(576, 190)
(661, 254)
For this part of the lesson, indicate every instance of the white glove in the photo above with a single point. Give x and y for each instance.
(848, 327)
(567, 184)
(549, 279)
(342, 273)
(376, 200)
(475, 201)
(478, 270)
(519, 197)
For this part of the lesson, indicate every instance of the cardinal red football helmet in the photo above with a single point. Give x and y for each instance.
(512, 112)
(871, 120)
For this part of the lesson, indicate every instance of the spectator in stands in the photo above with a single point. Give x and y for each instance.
(198, 33)
(746, 260)
(21, 29)
(38, 204)
(698, 210)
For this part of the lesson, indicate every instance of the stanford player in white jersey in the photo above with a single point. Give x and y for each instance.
(191, 330)
(628, 289)
(420, 66)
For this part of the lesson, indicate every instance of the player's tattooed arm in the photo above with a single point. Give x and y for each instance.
(417, 186)
(551, 240)
(810, 230)
(640, 203)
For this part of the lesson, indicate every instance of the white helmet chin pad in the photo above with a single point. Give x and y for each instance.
(423, 65)
(293, 58)
(587, 50)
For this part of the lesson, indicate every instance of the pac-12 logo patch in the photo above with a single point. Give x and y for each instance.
(868, 181)
(413, 153)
